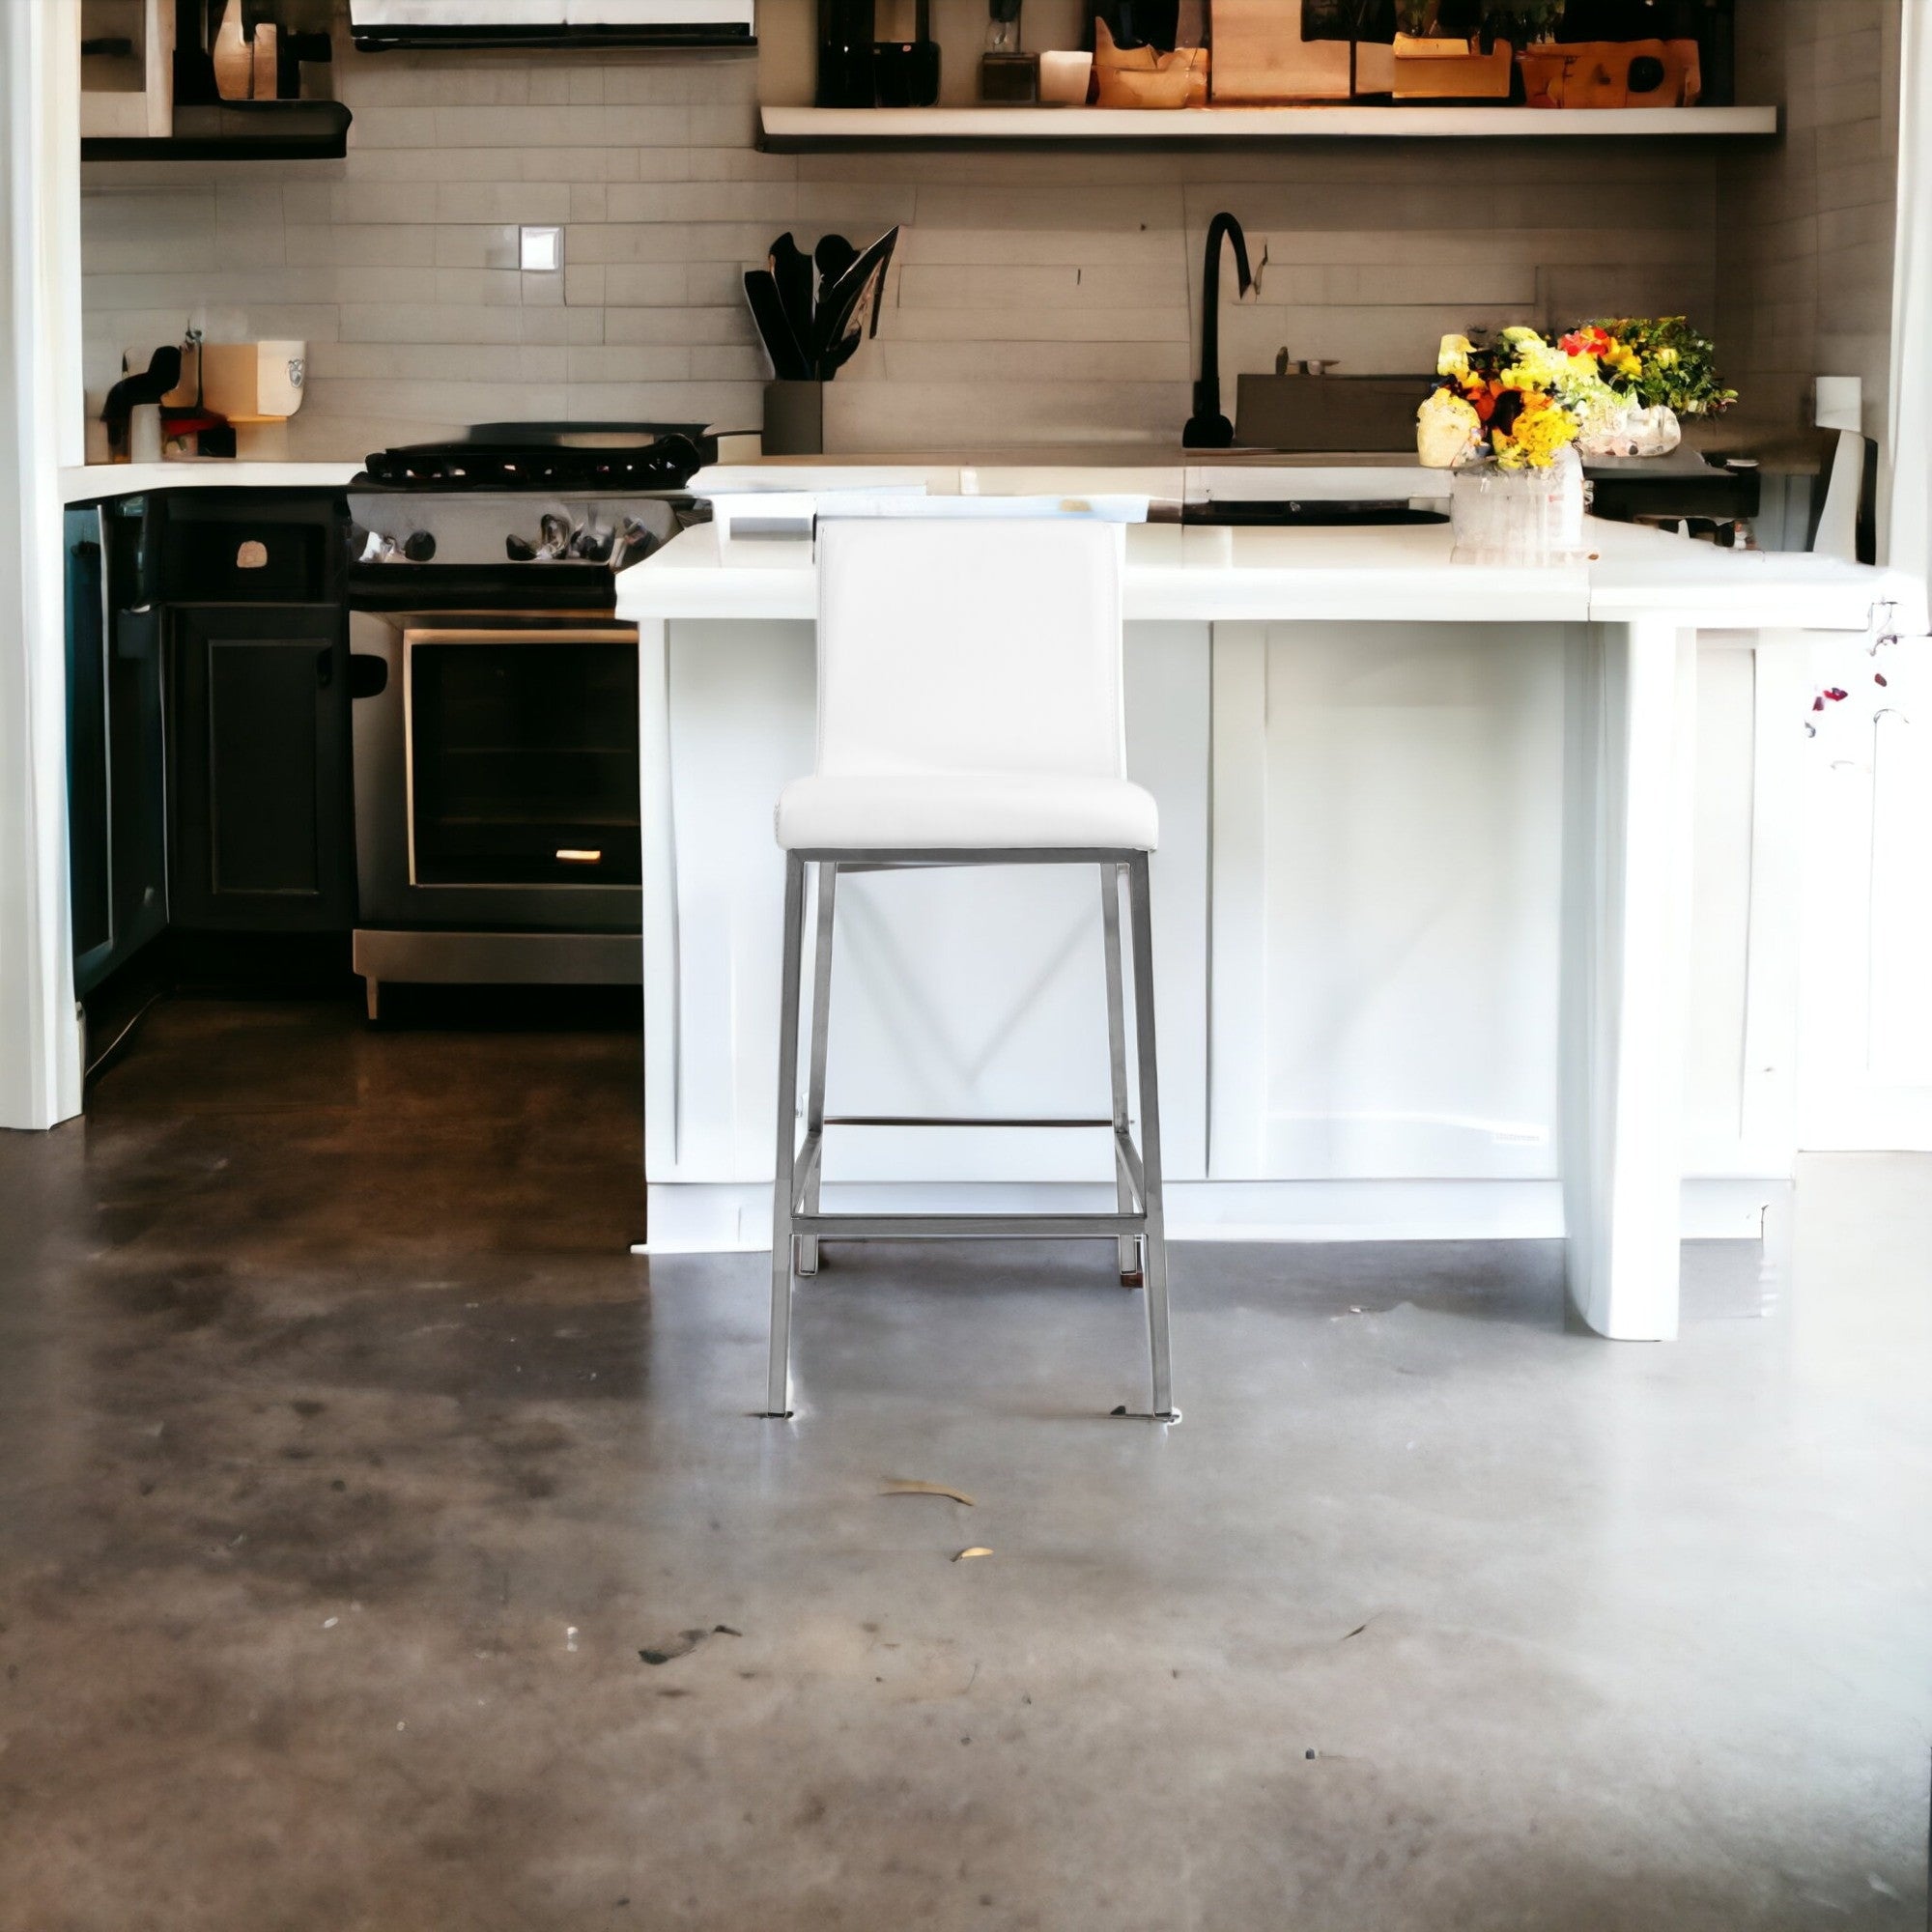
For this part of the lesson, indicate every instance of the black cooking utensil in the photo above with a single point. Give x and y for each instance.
(768, 311)
(162, 373)
(833, 256)
(849, 311)
(791, 269)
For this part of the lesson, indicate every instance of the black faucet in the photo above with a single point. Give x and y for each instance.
(1207, 428)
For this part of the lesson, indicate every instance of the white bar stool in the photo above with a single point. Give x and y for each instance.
(970, 713)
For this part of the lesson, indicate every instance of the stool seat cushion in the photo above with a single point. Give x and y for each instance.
(966, 811)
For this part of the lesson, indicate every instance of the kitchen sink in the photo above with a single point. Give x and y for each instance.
(1311, 513)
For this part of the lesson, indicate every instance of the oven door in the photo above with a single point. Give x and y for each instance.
(497, 783)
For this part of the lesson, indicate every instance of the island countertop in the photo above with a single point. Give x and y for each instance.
(1185, 572)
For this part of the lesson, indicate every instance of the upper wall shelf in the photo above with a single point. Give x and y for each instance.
(805, 127)
(238, 131)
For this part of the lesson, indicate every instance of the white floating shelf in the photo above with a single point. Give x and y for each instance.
(813, 126)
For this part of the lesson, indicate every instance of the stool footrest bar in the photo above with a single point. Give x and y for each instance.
(966, 1227)
(955, 1120)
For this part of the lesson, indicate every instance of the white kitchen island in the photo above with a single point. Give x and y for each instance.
(1429, 955)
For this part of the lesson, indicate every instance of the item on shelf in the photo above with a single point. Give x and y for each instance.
(1711, 23)
(1007, 75)
(127, 69)
(144, 433)
(1612, 73)
(253, 381)
(847, 57)
(1065, 80)
(132, 391)
(1262, 55)
(244, 55)
(196, 434)
(906, 73)
(1143, 77)
(1136, 23)
(1010, 80)
(1437, 68)
(1368, 27)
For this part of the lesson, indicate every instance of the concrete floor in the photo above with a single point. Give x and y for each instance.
(348, 1465)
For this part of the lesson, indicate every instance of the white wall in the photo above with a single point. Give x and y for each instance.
(1037, 295)
(40, 1051)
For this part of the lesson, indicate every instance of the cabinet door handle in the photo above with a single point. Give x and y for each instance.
(325, 667)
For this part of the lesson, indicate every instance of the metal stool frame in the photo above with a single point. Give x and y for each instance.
(1138, 1222)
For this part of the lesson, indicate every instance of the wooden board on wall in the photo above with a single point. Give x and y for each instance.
(1260, 56)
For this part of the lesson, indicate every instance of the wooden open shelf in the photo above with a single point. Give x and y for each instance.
(798, 129)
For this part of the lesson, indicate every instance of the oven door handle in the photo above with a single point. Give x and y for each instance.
(368, 675)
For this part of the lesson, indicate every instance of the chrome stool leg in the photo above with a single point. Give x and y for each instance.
(1136, 1224)
(815, 1086)
(1141, 919)
(777, 1384)
(1131, 1275)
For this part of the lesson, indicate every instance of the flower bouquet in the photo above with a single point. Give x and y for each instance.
(1662, 362)
(1661, 369)
(1507, 417)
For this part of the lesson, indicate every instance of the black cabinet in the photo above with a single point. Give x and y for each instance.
(117, 837)
(258, 758)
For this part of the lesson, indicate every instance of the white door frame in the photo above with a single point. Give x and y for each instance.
(41, 428)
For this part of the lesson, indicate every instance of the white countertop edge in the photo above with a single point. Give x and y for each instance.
(95, 482)
(1203, 576)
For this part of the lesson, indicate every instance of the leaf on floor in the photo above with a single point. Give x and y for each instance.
(672, 1648)
(978, 1549)
(898, 1487)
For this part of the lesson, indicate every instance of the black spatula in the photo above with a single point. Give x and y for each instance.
(768, 311)
(848, 312)
(791, 269)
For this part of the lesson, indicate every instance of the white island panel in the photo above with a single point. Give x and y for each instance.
(1411, 790)
(976, 993)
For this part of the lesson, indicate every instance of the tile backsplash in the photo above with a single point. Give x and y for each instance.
(1036, 296)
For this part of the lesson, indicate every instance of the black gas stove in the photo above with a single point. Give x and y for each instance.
(519, 516)
(573, 458)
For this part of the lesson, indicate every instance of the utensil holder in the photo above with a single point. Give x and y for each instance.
(794, 420)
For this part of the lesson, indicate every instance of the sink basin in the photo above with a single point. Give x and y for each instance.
(1312, 513)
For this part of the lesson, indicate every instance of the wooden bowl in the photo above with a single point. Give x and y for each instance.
(1165, 85)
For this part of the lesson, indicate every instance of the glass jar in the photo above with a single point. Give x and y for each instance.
(1520, 516)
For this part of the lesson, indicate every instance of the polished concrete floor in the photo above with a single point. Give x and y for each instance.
(383, 1550)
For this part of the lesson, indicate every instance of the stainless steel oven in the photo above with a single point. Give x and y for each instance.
(496, 797)
(495, 728)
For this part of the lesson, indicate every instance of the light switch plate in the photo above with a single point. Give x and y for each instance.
(540, 250)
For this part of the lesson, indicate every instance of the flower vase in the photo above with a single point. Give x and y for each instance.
(1655, 432)
(1527, 516)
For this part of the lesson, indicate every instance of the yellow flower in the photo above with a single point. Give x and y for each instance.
(1452, 358)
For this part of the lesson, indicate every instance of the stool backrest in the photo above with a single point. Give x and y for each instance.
(991, 645)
